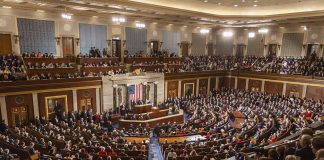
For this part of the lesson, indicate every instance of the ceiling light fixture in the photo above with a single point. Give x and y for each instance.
(227, 34)
(140, 25)
(6, 7)
(118, 20)
(235, 5)
(204, 31)
(205, 1)
(255, 5)
(251, 34)
(263, 30)
(305, 28)
(66, 16)
(40, 11)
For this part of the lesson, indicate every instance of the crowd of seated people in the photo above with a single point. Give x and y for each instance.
(158, 54)
(11, 68)
(95, 53)
(43, 65)
(37, 55)
(102, 64)
(269, 119)
(50, 76)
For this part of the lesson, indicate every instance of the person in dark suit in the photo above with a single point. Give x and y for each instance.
(58, 110)
(3, 126)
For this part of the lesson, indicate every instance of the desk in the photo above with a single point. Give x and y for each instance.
(178, 118)
(138, 109)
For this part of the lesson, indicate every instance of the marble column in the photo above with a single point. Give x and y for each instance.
(75, 100)
(247, 84)
(304, 91)
(3, 105)
(155, 93)
(114, 96)
(98, 104)
(36, 106)
(144, 85)
(284, 89)
(127, 97)
(179, 89)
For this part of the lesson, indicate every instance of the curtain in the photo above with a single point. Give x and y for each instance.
(92, 36)
(198, 44)
(256, 45)
(224, 45)
(292, 44)
(170, 41)
(135, 40)
(36, 36)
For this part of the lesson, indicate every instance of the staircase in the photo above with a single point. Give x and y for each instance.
(155, 149)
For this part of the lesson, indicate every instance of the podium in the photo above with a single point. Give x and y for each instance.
(144, 108)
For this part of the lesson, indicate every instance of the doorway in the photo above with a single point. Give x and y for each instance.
(313, 50)
(184, 49)
(5, 44)
(116, 48)
(19, 115)
(272, 50)
(210, 49)
(154, 47)
(240, 50)
(68, 46)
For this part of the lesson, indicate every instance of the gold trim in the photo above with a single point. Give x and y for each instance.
(280, 81)
(184, 89)
(50, 90)
(51, 97)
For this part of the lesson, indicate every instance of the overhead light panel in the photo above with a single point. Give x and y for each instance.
(204, 31)
(263, 30)
(140, 25)
(227, 34)
(251, 34)
(6, 7)
(118, 20)
(66, 16)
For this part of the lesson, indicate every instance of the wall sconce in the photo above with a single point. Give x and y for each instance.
(161, 43)
(304, 46)
(77, 41)
(16, 37)
(109, 42)
(57, 39)
(124, 42)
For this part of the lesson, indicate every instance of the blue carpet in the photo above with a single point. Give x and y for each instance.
(155, 149)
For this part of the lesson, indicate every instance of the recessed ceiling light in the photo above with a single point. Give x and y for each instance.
(255, 1)
(243, 1)
(184, 26)
(154, 22)
(170, 24)
(205, 1)
(94, 16)
(255, 5)
(219, 3)
(281, 27)
(40, 11)
(235, 5)
(7, 7)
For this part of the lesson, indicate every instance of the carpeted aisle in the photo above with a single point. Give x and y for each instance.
(155, 149)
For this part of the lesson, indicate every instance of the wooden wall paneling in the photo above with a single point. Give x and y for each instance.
(294, 89)
(203, 86)
(172, 89)
(89, 94)
(68, 46)
(255, 85)
(273, 87)
(223, 82)
(5, 44)
(241, 82)
(231, 82)
(212, 83)
(183, 82)
(42, 96)
(23, 100)
(315, 93)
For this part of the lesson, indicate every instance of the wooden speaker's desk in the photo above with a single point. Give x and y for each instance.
(144, 108)
(178, 118)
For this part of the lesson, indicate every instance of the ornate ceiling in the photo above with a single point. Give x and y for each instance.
(211, 13)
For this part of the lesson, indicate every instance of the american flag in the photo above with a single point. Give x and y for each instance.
(134, 92)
